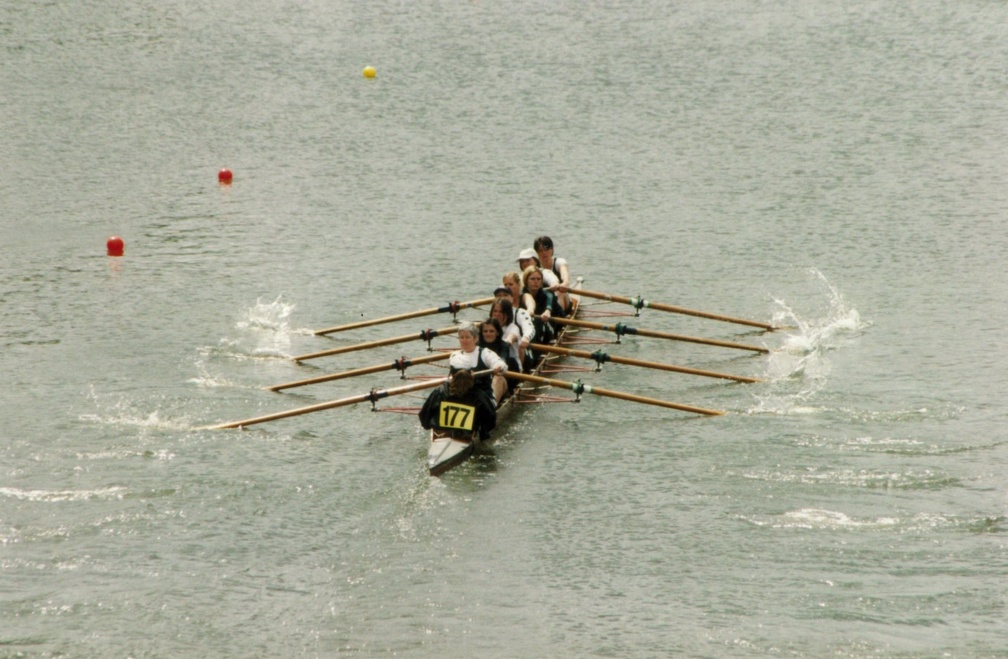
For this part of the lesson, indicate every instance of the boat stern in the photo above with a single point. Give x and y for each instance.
(447, 450)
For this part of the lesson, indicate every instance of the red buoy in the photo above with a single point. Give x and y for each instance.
(224, 176)
(115, 246)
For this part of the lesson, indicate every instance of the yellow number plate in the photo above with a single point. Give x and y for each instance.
(456, 416)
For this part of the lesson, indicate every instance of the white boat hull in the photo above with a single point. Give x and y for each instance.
(446, 451)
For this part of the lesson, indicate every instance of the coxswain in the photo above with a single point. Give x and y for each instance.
(459, 388)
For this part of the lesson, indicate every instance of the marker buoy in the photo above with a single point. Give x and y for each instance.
(224, 176)
(369, 72)
(115, 246)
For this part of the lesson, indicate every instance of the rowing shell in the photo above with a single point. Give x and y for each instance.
(450, 448)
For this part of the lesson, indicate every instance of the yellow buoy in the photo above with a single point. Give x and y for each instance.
(369, 72)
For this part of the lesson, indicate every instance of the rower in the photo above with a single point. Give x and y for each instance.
(529, 257)
(543, 246)
(538, 301)
(519, 330)
(512, 287)
(473, 358)
(492, 338)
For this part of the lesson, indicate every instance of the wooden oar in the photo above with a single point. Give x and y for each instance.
(579, 388)
(639, 303)
(371, 396)
(453, 307)
(601, 357)
(399, 364)
(620, 329)
(425, 335)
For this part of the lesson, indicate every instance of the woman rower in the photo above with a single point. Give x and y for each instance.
(517, 335)
(529, 257)
(541, 304)
(513, 283)
(492, 338)
(543, 246)
(473, 358)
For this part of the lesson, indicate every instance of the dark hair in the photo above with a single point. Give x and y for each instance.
(542, 242)
(495, 324)
(506, 309)
(461, 383)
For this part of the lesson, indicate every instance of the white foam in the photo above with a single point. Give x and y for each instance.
(115, 492)
(799, 369)
(272, 316)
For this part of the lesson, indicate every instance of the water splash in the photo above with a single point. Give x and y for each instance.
(123, 412)
(272, 316)
(226, 350)
(800, 368)
(264, 334)
(819, 334)
(268, 325)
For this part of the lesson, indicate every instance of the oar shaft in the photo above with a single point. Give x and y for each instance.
(371, 396)
(401, 364)
(694, 339)
(639, 303)
(653, 401)
(426, 335)
(584, 354)
(453, 307)
(620, 329)
(579, 388)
